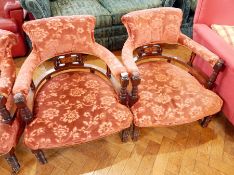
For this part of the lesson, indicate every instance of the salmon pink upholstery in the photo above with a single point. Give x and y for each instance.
(8, 133)
(221, 13)
(168, 95)
(160, 25)
(72, 108)
(7, 67)
(59, 35)
(171, 96)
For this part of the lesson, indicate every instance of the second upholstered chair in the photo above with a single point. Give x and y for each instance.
(74, 102)
(164, 94)
(10, 126)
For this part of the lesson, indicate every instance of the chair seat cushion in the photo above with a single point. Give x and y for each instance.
(171, 96)
(121, 7)
(81, 7)
(75, 107)
(8, 133)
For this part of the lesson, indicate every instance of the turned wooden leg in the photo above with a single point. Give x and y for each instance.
(125, 134)
(135, 133)
(40, 156)
(205, 121)
(12, 161)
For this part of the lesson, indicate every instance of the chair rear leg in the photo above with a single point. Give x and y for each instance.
(124, 134)
(40, 156)
(13, 161)
(205, 121)
(135, 133)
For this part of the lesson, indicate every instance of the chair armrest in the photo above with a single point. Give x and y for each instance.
(25, 75)
(198, 49)
(39, 8)
(207, 37)
(128, 58)
(110, 59)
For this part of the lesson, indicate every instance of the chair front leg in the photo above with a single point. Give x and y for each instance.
(6, 116)
(205, 121)
(135, 133)
(124, 134)
(23, 109)
(40, 156)
(13, 161)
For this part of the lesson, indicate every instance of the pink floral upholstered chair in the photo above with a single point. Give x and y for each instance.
(9, 125)
(74, 103)
(164, 94)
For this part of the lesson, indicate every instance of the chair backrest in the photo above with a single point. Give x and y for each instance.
(214, 12)
(60, 35)
(153, 25)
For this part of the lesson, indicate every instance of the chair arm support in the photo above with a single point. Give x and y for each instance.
(22, 108)
(123, 94)
(6, 116)
(39, 8)
(135, 80)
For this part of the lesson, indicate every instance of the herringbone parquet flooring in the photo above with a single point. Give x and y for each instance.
(178, 150)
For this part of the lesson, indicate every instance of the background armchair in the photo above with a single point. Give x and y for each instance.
(217, 12)
(11, 18)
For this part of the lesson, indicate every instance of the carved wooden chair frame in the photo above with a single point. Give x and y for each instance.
(69, 62)
(152, 51)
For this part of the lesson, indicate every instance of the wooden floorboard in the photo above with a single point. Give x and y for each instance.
(178, 150)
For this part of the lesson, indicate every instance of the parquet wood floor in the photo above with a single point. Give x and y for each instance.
(179, 150)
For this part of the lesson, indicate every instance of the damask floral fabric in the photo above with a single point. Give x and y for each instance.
(153, 25)
(73, 108)
(161, 25)
(171, 96)
(61, 35)
(7, 67)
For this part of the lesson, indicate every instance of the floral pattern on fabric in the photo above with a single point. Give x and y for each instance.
(73, 108)
(7, 67)
(161, 25)
(171, 96)
(58, 36)
(153, 25)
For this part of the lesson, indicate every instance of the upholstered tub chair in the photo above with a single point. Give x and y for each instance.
(164, 94)
(221, 13)
(75, 102)
(9, 125)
